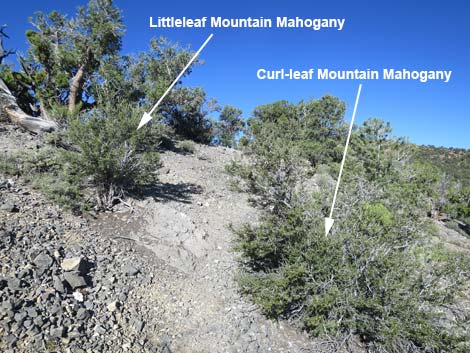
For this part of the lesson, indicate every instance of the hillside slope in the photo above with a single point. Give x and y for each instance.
(454, 162)
(163, 274)
(185, 221)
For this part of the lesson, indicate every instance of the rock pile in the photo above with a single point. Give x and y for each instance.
(64, 288)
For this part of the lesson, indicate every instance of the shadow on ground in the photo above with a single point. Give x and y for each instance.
(164, 192)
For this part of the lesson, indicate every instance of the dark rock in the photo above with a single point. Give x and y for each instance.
(82, 314)
(43, 262)
(74, 280)
(58, 285)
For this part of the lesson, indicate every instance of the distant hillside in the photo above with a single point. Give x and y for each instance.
(453, 161)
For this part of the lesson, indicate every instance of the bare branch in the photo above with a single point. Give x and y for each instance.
(4, 53)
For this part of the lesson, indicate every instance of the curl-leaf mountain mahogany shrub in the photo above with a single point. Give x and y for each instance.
(377, 278)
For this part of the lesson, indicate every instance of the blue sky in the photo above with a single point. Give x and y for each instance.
(419, 35)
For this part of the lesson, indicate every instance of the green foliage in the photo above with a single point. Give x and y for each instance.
(45, 169)
(187, 146)
(453, 167)
(315, 126)
(230, 124)
(289, 141)
(116, 155)
(18, 85)
(73, 73)
(142, 79)
(377, 276)
(458, 204)
(454, 162)
(187, 114)
(63, 49)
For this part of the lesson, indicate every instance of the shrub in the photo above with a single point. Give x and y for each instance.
(45, 169)
(187, 146)
(187, 114)
(229, 125)
(377, 277)
(116, 156)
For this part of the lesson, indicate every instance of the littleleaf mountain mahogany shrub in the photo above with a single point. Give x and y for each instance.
(118, 157)
(74, 73)
(377, 278)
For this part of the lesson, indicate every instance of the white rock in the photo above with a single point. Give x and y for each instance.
(71, 264)
(78, 296)
(113, 306)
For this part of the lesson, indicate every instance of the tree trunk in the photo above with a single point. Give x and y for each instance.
(76, 88)
(9, 110)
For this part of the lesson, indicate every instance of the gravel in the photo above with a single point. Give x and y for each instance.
(62, 288)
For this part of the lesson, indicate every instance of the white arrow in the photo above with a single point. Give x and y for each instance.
(329, 220)
(148, 116)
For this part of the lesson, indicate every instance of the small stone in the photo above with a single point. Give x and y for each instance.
(74, 280)
(43, 262)
(122, 297)
(6, 237)
(100, 330)
(78, 296)
(113, 306)
(7, 305)
(55, 308)
(14, 284)
(32, 313)
(19, 317)
(130, 270)
(82, 314)
(72, 264)
(138, 325)
(38, 321)
(57, 332)
(9, 206)
(58, 285)
(75, 334)
(11, 340)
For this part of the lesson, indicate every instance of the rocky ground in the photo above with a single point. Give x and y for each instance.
(185, 222)
(64, 288)
(157, 278)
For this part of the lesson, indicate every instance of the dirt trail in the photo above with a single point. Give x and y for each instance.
(186, 224)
